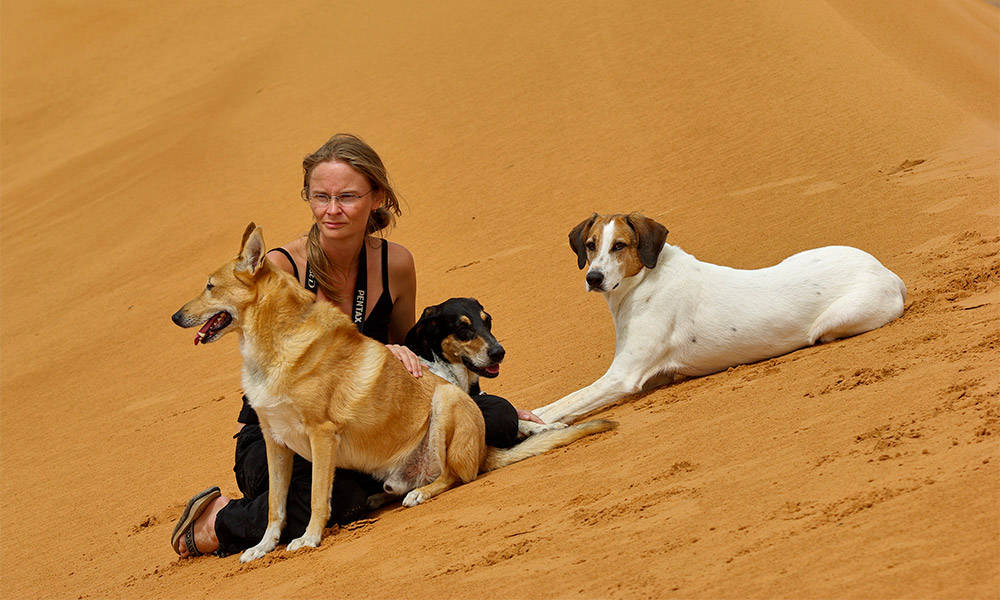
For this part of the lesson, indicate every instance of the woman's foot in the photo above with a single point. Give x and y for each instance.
(204, 531)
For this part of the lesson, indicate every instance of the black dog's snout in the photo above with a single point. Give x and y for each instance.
(595, 279)
(496, 353)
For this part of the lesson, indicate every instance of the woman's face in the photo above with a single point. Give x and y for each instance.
(341, 199)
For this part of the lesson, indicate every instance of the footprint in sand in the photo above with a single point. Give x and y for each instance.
(944, 205)
(820, 187)
(501, 254)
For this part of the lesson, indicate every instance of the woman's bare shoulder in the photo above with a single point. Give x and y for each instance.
(297, 248)
(400, 259)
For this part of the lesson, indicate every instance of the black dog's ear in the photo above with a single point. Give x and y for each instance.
(577, 238)
(430, 312)
(419, 337)
(651, 236)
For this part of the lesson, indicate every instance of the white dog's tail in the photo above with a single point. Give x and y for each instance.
(543, 442)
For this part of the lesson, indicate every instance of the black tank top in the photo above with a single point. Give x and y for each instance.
(376, 324)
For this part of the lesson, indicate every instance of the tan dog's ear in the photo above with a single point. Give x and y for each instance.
(577, 239)
(246, 234)
(251, 255)
(650, 235)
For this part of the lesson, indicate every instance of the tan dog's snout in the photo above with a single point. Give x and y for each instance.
(181, 319)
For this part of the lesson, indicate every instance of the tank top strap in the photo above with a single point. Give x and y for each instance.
(281, 250)
(385, 268)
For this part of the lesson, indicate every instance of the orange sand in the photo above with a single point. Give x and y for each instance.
(139, 139)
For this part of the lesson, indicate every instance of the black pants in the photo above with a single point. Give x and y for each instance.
(241, 523)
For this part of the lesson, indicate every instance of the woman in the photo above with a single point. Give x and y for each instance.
(348, 190)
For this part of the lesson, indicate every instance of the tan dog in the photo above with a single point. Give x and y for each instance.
(339, 399)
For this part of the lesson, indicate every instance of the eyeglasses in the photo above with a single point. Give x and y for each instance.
(318, 199)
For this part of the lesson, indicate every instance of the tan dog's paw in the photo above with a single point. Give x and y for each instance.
(414, 498)
(306, 541)
(256, 552)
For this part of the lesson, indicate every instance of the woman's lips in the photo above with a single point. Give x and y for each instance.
(333, 225)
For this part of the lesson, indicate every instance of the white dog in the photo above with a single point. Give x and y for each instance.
(674, 314)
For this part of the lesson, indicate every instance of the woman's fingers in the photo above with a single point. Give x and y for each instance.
(406, 356)
(527, 415)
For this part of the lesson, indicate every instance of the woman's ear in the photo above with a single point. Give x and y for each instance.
(378, 199)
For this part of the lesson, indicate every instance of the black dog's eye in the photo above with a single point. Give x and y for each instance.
(464, 333)
(591, 245)
(617, 246)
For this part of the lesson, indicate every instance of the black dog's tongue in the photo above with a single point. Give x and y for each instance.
(493, 370)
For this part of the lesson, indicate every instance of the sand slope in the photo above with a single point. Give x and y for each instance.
(138, 141)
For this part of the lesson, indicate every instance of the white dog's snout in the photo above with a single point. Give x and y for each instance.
(595, 278)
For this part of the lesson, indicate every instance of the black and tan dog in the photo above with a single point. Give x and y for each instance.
(339, 399)
(455, 339)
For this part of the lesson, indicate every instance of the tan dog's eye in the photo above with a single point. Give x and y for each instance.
(617, 246)
(209, 286)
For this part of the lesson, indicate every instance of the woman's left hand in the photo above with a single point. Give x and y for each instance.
(527, 415)
(406, 356)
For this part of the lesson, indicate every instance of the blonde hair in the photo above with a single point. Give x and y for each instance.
(353, 151)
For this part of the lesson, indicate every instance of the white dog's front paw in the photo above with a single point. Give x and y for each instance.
(256, 552)
(306, 541)
(414, 498)
(526, 428)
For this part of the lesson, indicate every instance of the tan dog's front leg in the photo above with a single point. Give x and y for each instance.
(279, 472)
(323, 441)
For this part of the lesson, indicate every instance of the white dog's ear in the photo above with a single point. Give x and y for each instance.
(577, 239)
(650, 235)
(251, 255)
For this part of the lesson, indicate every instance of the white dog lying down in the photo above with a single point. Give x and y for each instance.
(674, 314)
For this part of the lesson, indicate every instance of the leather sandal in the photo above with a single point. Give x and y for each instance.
(185, 524)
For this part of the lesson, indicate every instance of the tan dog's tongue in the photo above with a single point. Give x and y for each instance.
(203, 331)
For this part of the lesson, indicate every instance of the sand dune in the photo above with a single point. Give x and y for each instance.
(138, 140)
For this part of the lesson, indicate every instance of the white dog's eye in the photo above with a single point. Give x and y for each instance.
(591, 245)
(617, 246)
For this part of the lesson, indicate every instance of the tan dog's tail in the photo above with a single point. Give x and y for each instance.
(543, 442)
